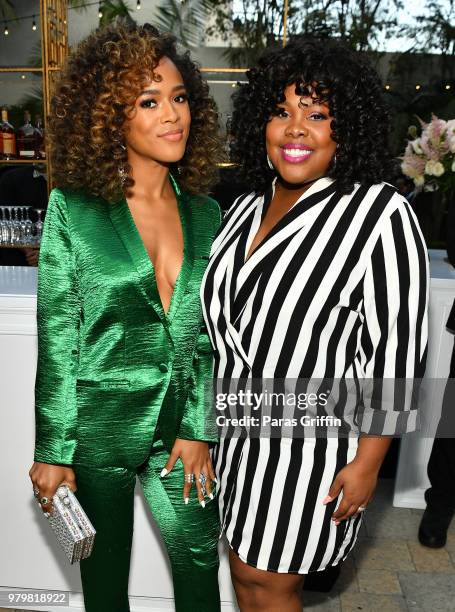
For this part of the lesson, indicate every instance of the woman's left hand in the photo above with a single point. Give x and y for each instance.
(358, 483)
(196, 460)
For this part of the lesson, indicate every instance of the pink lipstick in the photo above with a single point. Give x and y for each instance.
(295, 153)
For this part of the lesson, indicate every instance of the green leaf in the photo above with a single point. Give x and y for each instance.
(186, 20)
(114, 9)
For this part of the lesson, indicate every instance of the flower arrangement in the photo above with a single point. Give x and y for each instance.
(429, 159)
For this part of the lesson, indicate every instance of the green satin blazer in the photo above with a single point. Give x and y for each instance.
(110, 361)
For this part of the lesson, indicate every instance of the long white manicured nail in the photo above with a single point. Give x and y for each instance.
(163, 472)
(202, 503)
(211, 495)
(187, 499)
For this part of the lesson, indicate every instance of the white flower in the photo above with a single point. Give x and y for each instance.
(416, 146)
(419, 180)
(451, 135)
(434, 168)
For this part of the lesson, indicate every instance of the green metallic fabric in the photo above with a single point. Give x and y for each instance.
(111, 363)
(190, 534)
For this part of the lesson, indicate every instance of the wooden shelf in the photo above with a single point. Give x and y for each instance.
(21, 69)
(23, 161)
(28, 69)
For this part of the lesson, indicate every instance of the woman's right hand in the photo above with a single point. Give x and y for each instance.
(47, 478)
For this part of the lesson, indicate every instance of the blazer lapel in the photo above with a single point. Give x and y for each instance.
(187, 221)
(125, 227)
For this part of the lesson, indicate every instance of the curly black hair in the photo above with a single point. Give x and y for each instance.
(99, 85)
(335, 74)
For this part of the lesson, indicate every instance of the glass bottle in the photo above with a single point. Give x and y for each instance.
(40, 149)
(25, 137)
(7, 138)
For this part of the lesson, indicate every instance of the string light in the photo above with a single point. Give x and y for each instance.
(387, 87)
(22, 76)
(448, 86)
(32, 17)
(418, 87)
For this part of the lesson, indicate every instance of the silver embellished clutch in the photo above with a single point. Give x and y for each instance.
(71, 525)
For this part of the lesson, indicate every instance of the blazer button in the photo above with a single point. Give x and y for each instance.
(163, 367)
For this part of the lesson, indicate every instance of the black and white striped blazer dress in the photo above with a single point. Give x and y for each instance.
(338, 288)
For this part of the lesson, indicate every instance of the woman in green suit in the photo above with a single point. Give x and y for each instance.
(122, 351)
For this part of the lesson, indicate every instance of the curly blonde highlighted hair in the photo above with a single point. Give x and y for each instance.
(100, 83)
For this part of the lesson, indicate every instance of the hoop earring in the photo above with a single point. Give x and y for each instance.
(269, 163)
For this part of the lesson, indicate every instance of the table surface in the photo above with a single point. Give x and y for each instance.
(17, 281)
(439, 265)
(21, 281)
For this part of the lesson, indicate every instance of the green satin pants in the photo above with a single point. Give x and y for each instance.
(190, 533)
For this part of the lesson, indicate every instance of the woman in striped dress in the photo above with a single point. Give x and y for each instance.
(320, 273)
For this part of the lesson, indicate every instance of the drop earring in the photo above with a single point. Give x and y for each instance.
(123, 174)
(269, 163)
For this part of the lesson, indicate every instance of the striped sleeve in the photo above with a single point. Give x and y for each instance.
(395, 325)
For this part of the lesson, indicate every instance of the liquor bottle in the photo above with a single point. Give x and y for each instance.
(40, 149)
(7, 138)
(25, 137)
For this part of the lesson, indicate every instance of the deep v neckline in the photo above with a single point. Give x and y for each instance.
(258, 219)
(139, 249)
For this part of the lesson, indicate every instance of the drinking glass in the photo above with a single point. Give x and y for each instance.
(28, 227)
(39, 225)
